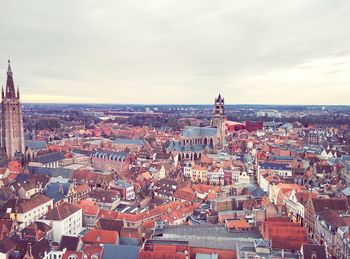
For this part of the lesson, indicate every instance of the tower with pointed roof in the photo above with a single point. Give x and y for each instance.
(218, 117)
(12, 134)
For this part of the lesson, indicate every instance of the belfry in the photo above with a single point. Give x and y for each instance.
(218, 117)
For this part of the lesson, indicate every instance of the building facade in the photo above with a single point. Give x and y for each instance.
(104, 160)
(65, 219)
(12, 134)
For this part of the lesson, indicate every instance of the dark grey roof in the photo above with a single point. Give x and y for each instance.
(258, 192)
(52, 172)
(345, 158)
(116, 156)
(71, 243)
(36, 145)
(285, 158)
(38, 248)
(275, 166)
(214, 231)
(136, 142)
(81, 152)
(175, 146)
(190, 131)
(52, 190)
(346, 192)
(110, 224)
(120, 251)
(309, 250)
(123, 184)
(50, 158)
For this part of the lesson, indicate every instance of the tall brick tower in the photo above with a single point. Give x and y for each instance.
(218, 117)
(12, 134)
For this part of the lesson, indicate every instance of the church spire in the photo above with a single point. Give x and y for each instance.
(10, 86)
(2, 92)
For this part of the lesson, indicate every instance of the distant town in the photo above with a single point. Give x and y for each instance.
(218, 181)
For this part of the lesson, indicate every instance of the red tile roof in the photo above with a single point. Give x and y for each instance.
(61, 211)
(70, 254)
(89, 251)
(185, 193)
(147, 215)
(100, 236)
(89, 207)
(237, 224)
(283, 234)
(131, 233)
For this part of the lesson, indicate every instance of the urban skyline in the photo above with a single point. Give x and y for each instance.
(175, 129)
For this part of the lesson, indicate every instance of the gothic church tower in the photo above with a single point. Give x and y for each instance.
(12, 134)
(218, 117)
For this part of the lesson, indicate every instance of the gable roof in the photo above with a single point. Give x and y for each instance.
(24, 205)
(38, 248)
(50, 158)
(70, 243)
(321, 204)
(110, 224)
(89, 208)
(100, 236)
(105, 196)
(284, 235)
(190, 131)
(61, 212)
(64, 172)
(36, 145)
(309, 249)
(57, 191)
(136, 142)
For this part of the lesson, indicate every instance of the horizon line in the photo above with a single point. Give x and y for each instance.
(182, 104)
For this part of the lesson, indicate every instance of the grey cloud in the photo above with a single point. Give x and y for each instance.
(139, 51)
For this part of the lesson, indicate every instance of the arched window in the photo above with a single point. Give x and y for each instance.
(211, 143)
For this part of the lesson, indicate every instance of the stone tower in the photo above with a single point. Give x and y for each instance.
(218, 118)
(12, 135)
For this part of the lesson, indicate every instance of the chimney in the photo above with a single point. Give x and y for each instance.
(186, 254)
(60, 188)
(279, 209)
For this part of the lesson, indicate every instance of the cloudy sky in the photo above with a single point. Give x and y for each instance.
(178, 51)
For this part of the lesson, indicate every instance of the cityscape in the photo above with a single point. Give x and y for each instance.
(140, 170)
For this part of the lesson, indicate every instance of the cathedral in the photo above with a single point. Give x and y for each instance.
(12, 134)
(194, 141)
